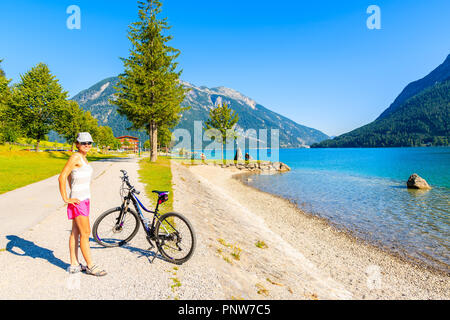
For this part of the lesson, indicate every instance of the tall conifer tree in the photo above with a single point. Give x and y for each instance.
(149, 92)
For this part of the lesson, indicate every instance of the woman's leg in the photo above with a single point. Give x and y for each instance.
(74, 244)
(84, 228)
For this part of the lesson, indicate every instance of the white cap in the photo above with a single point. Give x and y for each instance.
(84, 137)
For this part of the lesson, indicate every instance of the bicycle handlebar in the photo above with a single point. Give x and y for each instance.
(125, 179)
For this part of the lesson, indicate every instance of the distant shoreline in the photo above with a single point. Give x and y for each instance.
(322, 148)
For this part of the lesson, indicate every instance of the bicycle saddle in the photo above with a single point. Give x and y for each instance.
(160, 192)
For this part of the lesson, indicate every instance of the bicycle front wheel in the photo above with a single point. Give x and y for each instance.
(175, 237)
(108, 231)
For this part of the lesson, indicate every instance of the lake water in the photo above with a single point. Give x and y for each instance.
(364, 191)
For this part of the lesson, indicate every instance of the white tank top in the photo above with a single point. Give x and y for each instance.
(80, 187)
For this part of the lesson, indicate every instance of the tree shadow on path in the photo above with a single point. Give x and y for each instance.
(32, 250)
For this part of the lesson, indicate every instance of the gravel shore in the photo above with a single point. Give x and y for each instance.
(303, 251)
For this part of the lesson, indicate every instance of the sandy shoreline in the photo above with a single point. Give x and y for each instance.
(305, 253)
(344, 232)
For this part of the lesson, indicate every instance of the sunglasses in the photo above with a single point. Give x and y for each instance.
(86, 143)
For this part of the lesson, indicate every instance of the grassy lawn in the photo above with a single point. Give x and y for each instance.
(32, 143)
(157, 176)
(20, 168)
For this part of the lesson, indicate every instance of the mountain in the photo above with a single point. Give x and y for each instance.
(418, 116)
(440, 74)
(201, 99)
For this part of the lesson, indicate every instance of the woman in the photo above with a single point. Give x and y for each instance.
(78, 173)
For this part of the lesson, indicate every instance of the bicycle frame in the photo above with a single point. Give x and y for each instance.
(138, 205)
(171, 232)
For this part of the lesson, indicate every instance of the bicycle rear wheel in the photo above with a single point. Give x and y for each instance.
(108, 232)
(175, 237)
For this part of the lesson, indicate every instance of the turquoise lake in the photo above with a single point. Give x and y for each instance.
(364, 192)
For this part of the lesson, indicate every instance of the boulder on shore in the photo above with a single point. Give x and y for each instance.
(416, 182)
(284, 167)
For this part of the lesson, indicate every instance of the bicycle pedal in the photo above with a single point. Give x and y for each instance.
(150, 242)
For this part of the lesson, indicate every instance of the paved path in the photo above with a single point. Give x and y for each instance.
(35, 231)
(27, 206)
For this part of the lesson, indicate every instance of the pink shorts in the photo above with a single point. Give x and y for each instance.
(82, 209)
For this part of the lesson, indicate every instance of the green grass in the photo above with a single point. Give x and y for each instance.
(11, 147)
(157, 176)
(236, 253)
(224, 243)
(261, 244)
(21, 168)
(42, 145)
(176, 284)
(261, 290)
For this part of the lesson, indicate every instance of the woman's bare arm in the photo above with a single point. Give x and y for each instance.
(65, 174)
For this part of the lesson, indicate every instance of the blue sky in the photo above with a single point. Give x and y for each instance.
(315, 62)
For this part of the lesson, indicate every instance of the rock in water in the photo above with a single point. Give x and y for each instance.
(284, 167)
(416, 182)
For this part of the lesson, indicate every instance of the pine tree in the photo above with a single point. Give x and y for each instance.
(149, 92)
(38, 99)
(223, 119)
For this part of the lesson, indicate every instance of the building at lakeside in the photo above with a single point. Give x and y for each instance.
(129, 143)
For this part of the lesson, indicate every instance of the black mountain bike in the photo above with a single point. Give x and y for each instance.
(172, 233)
